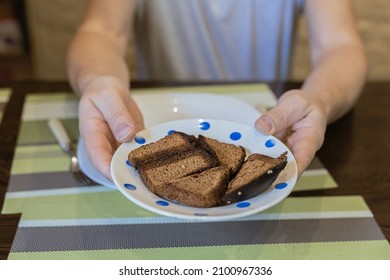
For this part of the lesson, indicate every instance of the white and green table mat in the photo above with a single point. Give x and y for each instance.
(310, 228)
(63, 219)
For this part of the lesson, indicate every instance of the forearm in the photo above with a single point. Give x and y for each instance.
(338, 57)
(337, 79)
(92, 55)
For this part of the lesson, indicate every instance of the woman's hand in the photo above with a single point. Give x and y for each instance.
(299, 120)
(108, 115)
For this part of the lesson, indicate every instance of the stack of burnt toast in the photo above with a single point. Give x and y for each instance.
(203, 172)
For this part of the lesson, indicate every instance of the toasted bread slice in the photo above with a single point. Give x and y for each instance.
(256, 174)
(203, 189)
(166, 169)
(176, 142)
(227, 154)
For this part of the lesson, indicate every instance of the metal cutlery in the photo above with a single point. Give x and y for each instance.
(66, 145)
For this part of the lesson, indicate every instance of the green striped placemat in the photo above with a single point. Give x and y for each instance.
(298, 228)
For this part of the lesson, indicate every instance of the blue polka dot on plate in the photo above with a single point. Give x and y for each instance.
(128, 163)
(162, 203)
(139, 139)
(130, 187)
(270, 143)
(280, 186)
(243, 204)
(235, 136)
(171, 131)
(204, 125)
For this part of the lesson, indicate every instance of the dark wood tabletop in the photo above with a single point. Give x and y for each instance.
(356, 150)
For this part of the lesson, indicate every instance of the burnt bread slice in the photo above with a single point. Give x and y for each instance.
(227, 154)
(256, 174)
(169, 167)
(203, 189)
(176, 142)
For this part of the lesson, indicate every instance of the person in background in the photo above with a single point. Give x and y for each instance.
(214, 40)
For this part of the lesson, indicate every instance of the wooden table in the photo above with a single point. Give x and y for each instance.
(356, 150)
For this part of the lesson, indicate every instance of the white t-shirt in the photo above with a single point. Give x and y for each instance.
(215, 39)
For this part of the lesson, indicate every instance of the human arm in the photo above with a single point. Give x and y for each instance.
(98, 72)
(332, 88)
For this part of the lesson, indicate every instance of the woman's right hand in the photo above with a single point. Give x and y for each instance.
(108, 116)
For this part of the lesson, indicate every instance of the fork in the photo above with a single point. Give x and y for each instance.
(63, 139)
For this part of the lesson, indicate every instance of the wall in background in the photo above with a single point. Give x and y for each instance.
(373, 19)
(53, 22)
(14, 60)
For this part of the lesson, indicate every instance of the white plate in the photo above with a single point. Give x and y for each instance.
(128, 181)
(160, 108)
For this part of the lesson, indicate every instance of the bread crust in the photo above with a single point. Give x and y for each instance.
(261, 179)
